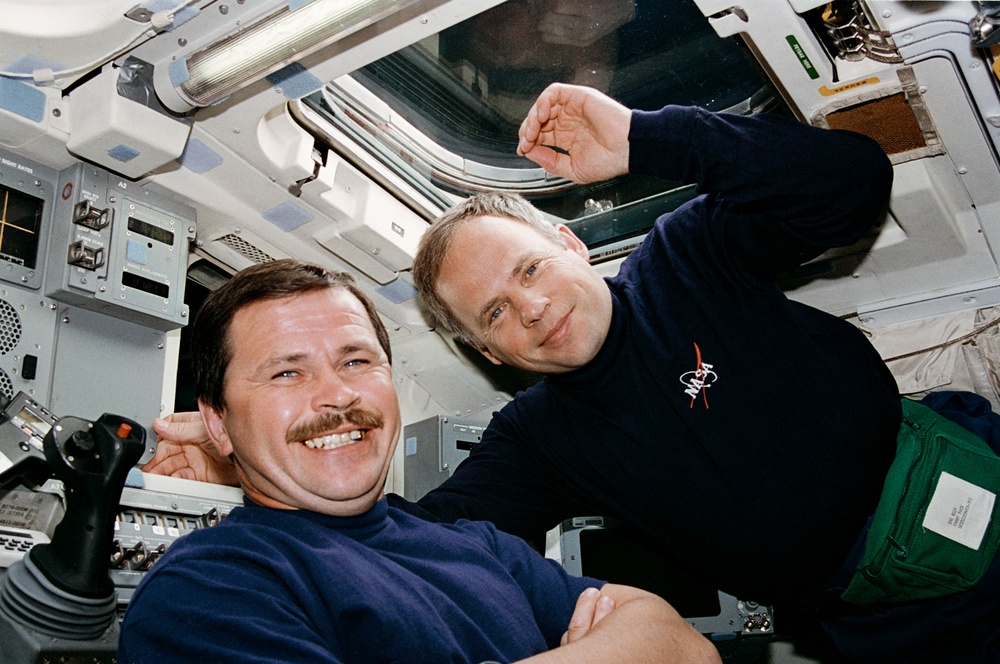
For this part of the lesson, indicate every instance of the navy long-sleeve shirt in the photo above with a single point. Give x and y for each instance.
(747, 434)
(269, 585)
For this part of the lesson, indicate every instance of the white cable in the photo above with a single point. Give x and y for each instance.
(161, 20)
(53, 76)
(43, 75)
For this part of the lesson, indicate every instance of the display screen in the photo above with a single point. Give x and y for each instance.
(151, 231)
(20, 220)
(32, 422)
(146, 285)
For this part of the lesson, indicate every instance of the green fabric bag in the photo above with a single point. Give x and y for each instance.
(944, 479)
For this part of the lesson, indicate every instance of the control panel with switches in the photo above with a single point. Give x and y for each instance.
(152, 512)
(155, 516)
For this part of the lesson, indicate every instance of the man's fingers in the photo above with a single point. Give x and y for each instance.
(592, 607)
(165, 464)
(539, 119)
(583, 615)
(605, 605)
(181, 427)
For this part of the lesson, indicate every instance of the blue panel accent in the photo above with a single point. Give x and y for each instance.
(198, 157)
(397, 291)
(287, 216)
(27, 64)
(178, 71)
(136, 251)
(295, 4)
(135, 479)
(182, 16)
(22, 99)
(295, 81)
(411, 446)
(123, 153)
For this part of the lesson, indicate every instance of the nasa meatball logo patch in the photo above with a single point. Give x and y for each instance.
(697, 382)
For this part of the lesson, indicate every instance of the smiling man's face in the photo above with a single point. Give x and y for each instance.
(311, 413)
(528, 301)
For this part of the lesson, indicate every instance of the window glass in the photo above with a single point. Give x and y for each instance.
(466, 90)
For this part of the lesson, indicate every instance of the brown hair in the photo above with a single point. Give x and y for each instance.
(210, 350)
(437, 239)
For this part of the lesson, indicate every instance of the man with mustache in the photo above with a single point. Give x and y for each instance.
(293, 373)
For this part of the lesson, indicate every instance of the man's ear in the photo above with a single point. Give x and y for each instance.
(216, 429)
(487, 354)
(573, 243)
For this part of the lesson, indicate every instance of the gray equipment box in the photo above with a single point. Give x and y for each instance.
(433, 448)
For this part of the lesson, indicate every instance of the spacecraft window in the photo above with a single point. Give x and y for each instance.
(456, 99)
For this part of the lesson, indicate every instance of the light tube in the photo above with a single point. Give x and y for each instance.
(261, 48)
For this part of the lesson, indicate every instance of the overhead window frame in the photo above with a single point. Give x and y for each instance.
(357, 119)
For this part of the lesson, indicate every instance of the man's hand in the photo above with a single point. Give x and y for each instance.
(591, 607)
(577, 133)
(184, 450)
(635, 626)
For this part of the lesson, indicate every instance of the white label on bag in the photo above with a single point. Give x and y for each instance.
(960, 510)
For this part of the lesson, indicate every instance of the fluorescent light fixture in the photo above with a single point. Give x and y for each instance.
(287, 35)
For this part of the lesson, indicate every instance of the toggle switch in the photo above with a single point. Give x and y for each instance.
(86, 257)
(87, 215)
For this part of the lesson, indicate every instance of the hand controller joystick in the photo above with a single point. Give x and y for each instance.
(63, 589)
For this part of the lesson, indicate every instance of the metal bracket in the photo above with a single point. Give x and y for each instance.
(139, 14)
(986, 25)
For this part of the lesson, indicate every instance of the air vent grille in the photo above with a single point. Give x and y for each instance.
(10, 327)
(244, 248)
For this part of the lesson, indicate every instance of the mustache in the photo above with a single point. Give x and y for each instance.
(359, 417)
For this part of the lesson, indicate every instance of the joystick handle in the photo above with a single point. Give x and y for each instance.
(92, 460)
